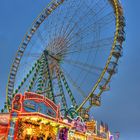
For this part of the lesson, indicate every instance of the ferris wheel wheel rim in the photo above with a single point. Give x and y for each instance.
(20, 52)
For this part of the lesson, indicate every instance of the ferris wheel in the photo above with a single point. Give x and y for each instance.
(69, 53)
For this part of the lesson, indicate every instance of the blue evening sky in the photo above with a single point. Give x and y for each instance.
(120, 106)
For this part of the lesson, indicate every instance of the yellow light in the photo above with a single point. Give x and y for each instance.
(34, 119)
(44, 121)
(14, 119)
(29, 131)
(53, 124)
(61, 126)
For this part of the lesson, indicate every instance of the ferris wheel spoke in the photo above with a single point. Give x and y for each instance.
(77, 48)
(33, 55)
(106, 20)
(88, 46)
(41, 39)
(68, 89)
(48, 26)
(55, 27)
(66, 15)
(88, 13)
(63, 22)
(59, 30)
(75, 84)
(27, 63)
(86, 71)
(27, 66)
(84, 68)
(53, 35)
(83, 31)
(70, 20)
(48, 29)
(82, 64)
(82, 18)
(58, 19)
(96, 43)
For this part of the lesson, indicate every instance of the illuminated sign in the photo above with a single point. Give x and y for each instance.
(32, 102)
(29, 105)
(30, 95)
(34, 96)
(34, 106)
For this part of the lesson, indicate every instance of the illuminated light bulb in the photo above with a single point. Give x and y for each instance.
(29, 131)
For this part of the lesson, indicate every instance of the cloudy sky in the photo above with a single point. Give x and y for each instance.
(120, 106)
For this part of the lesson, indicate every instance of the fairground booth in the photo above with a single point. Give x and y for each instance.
(34, 117)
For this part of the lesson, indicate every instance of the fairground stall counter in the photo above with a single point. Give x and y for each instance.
(34, 117)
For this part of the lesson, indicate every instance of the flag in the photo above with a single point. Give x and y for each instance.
(106, 127)
(102, 124)
(111, 137)
(106, 130)
(101, 127)
(96, 128)
(117, 135)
